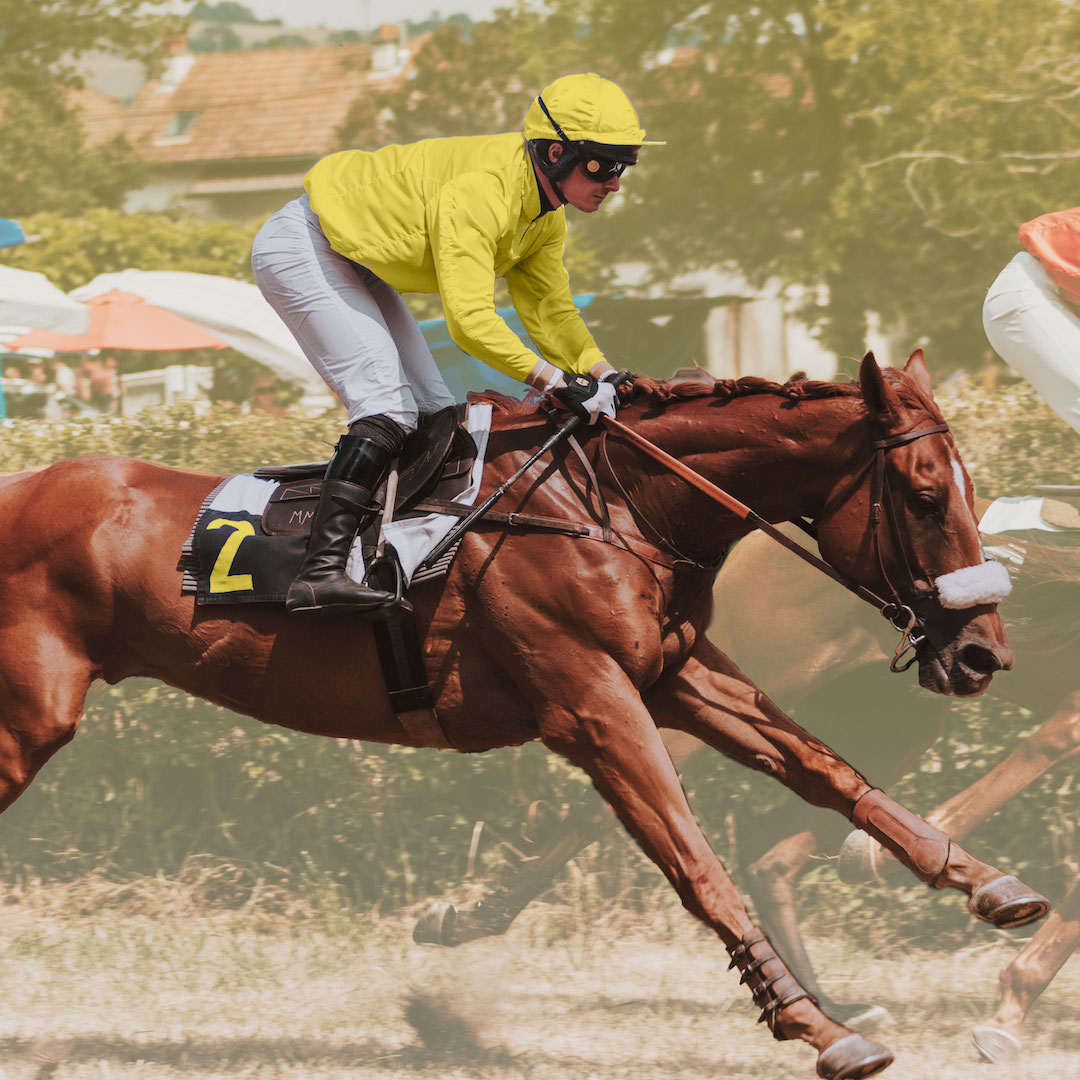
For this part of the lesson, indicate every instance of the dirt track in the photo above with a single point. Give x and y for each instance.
(115, 994)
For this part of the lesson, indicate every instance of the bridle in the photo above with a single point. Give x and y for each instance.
(901, 615)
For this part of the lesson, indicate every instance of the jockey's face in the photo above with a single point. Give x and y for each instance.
(581, 192)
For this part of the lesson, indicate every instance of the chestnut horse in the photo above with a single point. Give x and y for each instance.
(587, 646)
(826, 676)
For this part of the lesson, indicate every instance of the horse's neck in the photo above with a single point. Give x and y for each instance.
(781, 458)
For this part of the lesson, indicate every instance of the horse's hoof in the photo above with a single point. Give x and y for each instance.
(858, 859)
(852, 1057)
(1006, 901)
(859, 1016)
(995, 1045)
(436, 925)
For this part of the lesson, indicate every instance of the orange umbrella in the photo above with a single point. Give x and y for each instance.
(122, 320)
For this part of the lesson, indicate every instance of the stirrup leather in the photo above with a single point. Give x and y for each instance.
(773, 989)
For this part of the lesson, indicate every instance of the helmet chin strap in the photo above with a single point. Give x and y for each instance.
(551, 169)
(556, 187)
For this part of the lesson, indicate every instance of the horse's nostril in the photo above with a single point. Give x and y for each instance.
(981, 659)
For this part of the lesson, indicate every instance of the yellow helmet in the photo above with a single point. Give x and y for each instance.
(585, 108)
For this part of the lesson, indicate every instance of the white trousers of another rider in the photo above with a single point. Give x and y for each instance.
(355, 329)
(1037, 333)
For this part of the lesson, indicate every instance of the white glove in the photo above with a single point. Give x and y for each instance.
(588, 397)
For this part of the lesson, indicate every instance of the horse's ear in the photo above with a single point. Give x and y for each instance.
(917, 370)
(879, 396)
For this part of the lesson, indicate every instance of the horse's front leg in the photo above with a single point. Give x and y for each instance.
(1057, 741)
(602, 725)
(709, 697)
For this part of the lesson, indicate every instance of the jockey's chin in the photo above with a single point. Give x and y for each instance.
(587, 195)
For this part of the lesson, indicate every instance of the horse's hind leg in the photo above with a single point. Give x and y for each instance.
(626, 759)
(710, 698)
(1027, 976)
(43, 685)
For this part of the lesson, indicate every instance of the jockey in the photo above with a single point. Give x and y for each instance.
(1031, 314)
(446, 216)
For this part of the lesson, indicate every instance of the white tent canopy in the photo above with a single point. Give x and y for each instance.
(29, 301)
(233, 310)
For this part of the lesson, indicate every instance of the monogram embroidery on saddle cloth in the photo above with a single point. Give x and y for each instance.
(230, 558)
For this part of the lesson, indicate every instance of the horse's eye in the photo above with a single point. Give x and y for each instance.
(924, 503)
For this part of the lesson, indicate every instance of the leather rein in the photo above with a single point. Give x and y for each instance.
(901, 615)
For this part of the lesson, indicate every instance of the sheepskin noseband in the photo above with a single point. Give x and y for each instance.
(969, 586)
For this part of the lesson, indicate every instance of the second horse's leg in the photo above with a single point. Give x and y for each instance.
(445, 924)
(1026, 977)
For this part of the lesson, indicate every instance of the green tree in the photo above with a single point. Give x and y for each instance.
(43, 145)
(884, 152)
(215, 37)
(42, 140)
(225, 12)
(284, 41)
(71, 251)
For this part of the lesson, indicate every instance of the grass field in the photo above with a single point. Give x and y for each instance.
(147, 982)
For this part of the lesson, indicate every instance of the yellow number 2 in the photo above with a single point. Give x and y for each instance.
(220, 578)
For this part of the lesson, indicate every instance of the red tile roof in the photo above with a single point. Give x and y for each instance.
(252, 104)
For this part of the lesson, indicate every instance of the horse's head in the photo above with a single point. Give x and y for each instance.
(902, 523)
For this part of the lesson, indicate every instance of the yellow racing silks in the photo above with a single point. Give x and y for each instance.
(448, 216)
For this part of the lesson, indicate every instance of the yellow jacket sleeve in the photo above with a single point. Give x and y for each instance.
(540, 290)
(463, 222)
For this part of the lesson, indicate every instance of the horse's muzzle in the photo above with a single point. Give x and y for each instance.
(963, 662)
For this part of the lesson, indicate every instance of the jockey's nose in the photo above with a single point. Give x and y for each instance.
(612, 184)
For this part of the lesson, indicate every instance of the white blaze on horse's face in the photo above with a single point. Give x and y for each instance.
(959, 479)
(985, 583)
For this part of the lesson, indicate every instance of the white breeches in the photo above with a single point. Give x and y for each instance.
(355, 329)
(1037, 333)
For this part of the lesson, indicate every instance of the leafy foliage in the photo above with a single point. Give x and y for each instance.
(884, 152)
(74, 249)
(227, 11)
(43, 143)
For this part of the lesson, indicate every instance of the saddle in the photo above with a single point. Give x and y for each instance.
(436, 460)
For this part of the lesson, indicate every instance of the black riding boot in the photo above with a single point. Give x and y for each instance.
(346, 506)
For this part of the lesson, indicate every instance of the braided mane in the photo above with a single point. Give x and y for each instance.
(797, 388)
(668, 391)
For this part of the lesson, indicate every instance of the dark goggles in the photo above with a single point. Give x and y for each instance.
(601, 171)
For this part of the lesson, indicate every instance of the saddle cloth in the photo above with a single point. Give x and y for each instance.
(251, 533)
